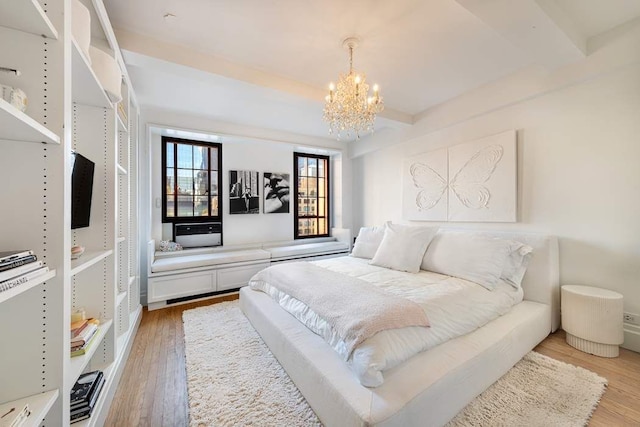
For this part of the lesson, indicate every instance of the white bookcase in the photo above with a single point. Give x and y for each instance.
(68, 110)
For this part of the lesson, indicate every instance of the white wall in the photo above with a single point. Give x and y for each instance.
(578, 163)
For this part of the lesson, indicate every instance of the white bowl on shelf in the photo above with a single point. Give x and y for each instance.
(76, 251)
(108, 72)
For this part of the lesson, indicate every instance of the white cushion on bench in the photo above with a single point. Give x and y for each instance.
(203, 260)
(306, 249)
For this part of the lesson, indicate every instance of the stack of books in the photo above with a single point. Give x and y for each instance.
(18, 267)
(84, 395)
(14, 417)
(82, 334)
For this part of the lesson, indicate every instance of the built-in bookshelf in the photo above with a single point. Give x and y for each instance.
(68, 110)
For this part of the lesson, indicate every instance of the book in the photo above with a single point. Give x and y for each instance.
(17, 262)
(15, 418)
(85, 335)
(19, 271)
(11, 255)
(83, 407)
(79, 351)
(77, 327)
(83, 388)
(12, 283)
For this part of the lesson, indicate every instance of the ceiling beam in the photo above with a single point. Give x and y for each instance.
(538, 27)
(198, 60)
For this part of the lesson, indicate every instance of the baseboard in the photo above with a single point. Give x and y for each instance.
(631, 337)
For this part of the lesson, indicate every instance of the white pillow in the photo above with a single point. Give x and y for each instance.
(474, 257)
(403, 247)
(516, 264)
(368, 241)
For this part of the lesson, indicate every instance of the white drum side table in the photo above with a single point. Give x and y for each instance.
(592, 319)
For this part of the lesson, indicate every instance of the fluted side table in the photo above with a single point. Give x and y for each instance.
(592, 319)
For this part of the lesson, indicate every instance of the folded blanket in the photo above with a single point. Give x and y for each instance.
(355, 309)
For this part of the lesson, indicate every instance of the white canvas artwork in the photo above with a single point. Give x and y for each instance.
(475, 181)
(424, 183)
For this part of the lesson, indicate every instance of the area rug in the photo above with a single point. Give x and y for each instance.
(233, 379)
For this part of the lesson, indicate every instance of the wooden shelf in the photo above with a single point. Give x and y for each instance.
(88, 259)
(39, 404)
(121, 170)
(17, 126)
(78, 363)
(27, 16)
(6, 295)
(86, 89)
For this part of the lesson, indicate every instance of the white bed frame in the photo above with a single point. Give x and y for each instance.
(432, 387)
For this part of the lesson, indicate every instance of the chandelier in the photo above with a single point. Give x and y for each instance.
(349, 109)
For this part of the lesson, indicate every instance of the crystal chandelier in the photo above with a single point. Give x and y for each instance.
(349, 109)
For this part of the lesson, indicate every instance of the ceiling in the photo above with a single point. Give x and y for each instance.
(267, 63)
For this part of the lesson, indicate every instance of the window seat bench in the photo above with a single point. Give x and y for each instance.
(177, 277)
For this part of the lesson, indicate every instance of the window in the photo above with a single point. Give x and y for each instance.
(311, 196)
(191, 180)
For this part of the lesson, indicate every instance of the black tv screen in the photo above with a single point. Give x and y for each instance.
(81, 190)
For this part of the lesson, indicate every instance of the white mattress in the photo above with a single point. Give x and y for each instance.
(454, 306)
(427, 390)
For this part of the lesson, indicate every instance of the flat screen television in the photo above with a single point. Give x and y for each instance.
(81, 190)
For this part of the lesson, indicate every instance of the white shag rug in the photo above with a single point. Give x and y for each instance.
(234, 380)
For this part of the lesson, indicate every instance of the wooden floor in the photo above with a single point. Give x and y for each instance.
(153, 388)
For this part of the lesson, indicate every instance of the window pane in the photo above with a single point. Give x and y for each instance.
(312, 187)
(302, 187)
(322, 226)
(170, 207)
(185, 156)
(201, 182)
(170, 181)
(201, 206)
(322, 207)
(214, 158)
(322, 183)
(200, 158)
(302, 166)
(321, 167)
(185, 206)
(214, 206)
(313, 167)
(170, 159)
(214, 184)
(185, 181)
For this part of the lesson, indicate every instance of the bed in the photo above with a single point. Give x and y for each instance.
(431, 387)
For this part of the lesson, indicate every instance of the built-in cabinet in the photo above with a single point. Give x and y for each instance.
(68, 110)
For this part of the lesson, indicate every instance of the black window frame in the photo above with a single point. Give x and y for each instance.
(189, 219)
(296, 214)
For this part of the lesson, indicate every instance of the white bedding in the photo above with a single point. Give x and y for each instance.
(454, 306)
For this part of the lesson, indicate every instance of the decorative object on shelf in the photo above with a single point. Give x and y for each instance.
(108, 72)
(276, 192)
(76, 252)
(474, 181)
(81, 27)
(244, 192)
(15, 418)
(348, 108)
(169, 246)
(14, 96)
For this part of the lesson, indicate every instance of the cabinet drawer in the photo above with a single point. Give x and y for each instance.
(168, 287)
(236, 277)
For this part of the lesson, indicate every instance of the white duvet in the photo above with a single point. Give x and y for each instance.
(454, 307)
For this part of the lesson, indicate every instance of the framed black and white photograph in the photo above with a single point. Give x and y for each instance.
(244, 192)
(276, 192)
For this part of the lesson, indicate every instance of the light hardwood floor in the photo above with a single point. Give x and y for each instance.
(153, 388)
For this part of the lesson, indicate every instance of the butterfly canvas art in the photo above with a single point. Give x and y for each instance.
(474, 181)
